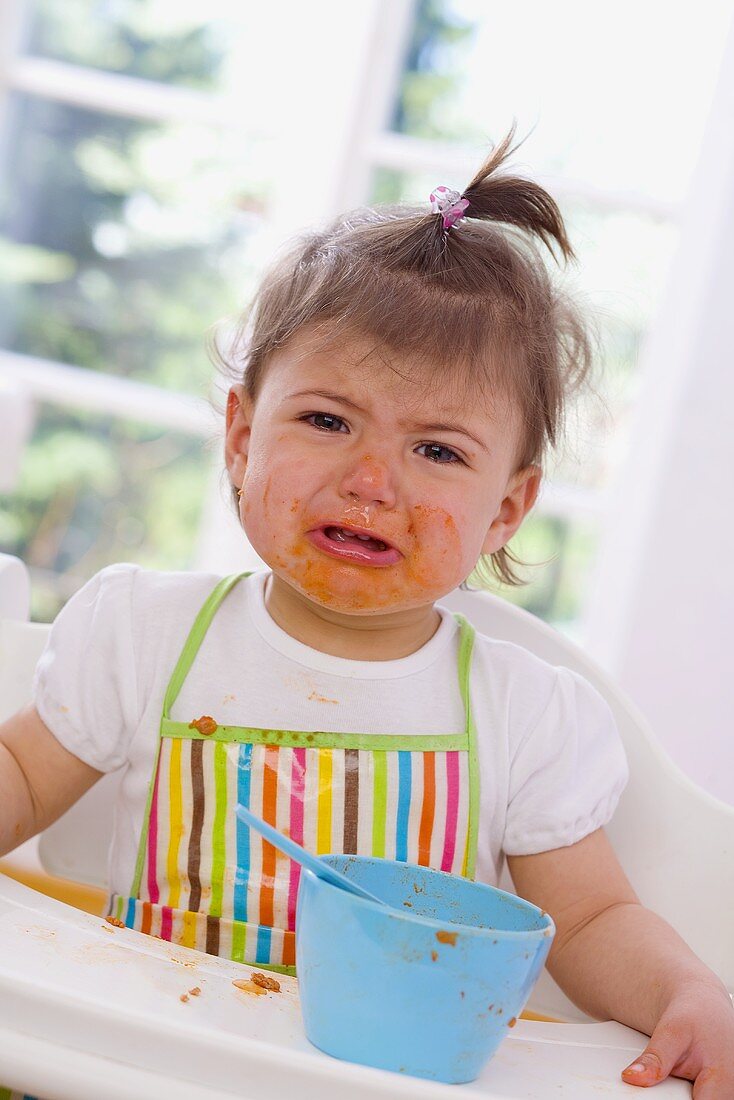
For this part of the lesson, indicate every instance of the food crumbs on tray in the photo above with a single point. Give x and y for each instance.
(205, 725)
(265, 981)
(434, 955)
(115, 921)
(447, 937)
(41, 933)
(409, 904)
(249, 987)
(512, 1022)
(184, 997)
(195, 991)
(189, 964)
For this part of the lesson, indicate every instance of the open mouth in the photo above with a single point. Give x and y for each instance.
(356, 546)
(340, 534)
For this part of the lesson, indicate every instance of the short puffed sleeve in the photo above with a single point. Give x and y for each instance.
(567, 772)
(85, 684)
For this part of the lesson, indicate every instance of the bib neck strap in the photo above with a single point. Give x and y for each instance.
(196, 637)
(466, 645)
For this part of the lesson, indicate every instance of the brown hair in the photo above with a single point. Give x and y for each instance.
(474, 302)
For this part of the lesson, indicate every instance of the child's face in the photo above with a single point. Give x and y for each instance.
(364, 458)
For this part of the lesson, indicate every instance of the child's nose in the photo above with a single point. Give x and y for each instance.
(369, 479)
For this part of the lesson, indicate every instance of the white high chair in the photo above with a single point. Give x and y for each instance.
(73, 1020)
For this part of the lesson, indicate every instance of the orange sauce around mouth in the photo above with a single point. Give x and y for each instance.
(355, 586)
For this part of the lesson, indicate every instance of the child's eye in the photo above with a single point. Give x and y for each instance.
(329, 417)
(433, 448)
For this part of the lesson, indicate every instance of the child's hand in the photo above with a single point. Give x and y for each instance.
(619, 961)
(694, 1039)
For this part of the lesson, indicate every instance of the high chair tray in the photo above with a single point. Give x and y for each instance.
(90, 1010)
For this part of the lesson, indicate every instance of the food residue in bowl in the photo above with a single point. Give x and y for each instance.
(447, 937)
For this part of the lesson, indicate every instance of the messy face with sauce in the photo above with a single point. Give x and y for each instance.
(365, 491)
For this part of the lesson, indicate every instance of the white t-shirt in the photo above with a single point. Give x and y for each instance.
(551, 763)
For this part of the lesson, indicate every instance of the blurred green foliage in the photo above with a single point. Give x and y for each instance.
(98, 490)
(142, 38)
(121, 242)
(557, 556)
(432, 71)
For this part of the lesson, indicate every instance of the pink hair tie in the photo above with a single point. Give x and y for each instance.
(448, 203)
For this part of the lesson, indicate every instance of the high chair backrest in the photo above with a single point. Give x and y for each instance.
(76, 846)
(673, 839)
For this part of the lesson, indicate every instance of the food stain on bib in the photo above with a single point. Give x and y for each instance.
(205, 725)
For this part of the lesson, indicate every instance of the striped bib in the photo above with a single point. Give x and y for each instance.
(203, 879)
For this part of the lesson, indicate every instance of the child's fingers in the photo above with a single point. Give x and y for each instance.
(646, 1070)
(664, 1051)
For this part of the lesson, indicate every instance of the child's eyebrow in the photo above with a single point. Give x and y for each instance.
(443, 427)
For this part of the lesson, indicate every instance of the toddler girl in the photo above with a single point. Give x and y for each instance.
(403, 372)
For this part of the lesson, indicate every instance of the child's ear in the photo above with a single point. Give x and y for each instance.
(237, 433)
(520, 495)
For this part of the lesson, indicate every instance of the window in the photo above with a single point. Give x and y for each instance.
(134, 193)
(152, 156)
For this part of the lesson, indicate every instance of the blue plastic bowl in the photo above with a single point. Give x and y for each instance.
(427, 988)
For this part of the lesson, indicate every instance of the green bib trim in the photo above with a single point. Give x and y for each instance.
(376, 742)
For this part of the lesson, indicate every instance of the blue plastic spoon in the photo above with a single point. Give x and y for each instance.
(300, 855)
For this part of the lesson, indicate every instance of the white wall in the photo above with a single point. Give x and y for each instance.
(662, 608)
